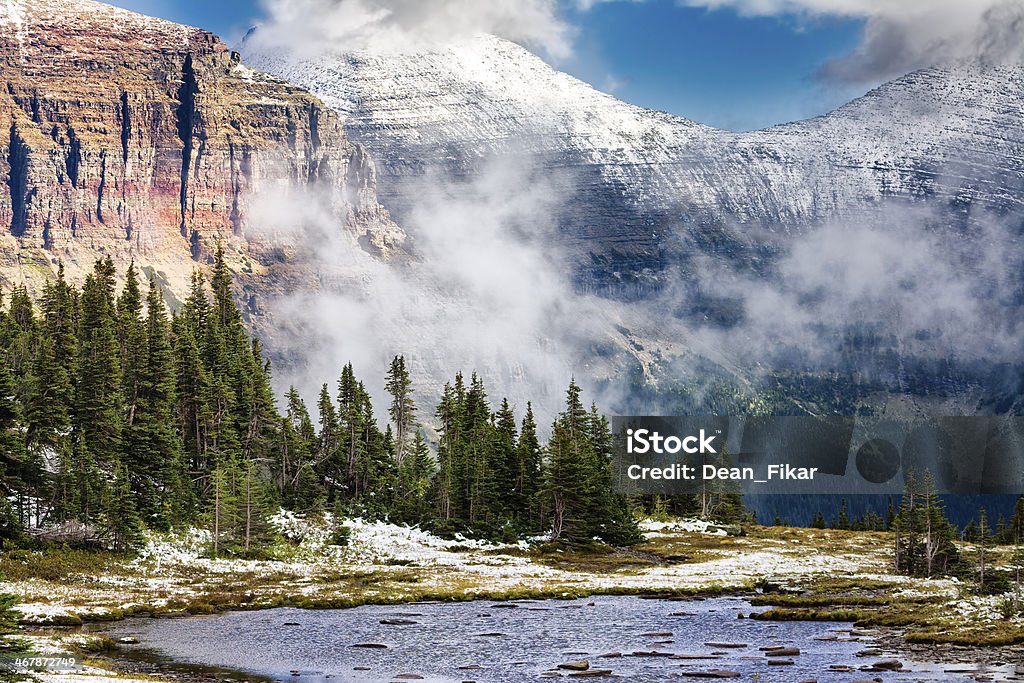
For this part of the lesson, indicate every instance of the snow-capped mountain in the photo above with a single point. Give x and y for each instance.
(662, 210)
(952, 135)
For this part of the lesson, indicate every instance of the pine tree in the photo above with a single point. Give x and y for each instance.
(131, 333)
(403, 409)
(298, 483)
(50, 398)
(528, 473)
(255, 503)
(984, 542)
(223, 504)
(447, 485)
(329, 467)
(610, 514)
(19, 474)
(344, 471)
(10, 645)
(566, 474)
(49, 401)
(504, 464)
(19, 339)
(192, 379)
(415, 475)
(843, 520)
(153, 447)
(1016, 528)
(123, 525)
(924, 538)
(819, 520)
(938, 535)
(578, 478)
(479, 483)
(97, 415)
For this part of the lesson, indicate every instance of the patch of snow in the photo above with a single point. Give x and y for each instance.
(700, 526)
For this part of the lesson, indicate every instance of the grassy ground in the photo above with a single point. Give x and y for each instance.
(794, 573)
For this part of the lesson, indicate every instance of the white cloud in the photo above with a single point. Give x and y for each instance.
(410, 25)
(904, 35)
(899, 35)
(482, 291)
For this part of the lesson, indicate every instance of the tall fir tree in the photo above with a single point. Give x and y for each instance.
(402, 409)
(528, 474)
(98, 416)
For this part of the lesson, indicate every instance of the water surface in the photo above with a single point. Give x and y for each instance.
(509, 642)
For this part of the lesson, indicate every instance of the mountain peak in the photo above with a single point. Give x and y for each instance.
(486, 87)
(87, 23)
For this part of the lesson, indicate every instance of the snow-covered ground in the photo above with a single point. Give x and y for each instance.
(175, 571)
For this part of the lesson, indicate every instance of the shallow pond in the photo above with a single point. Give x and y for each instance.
(514, 641)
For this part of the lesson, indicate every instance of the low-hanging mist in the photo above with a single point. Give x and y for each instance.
(480, 285)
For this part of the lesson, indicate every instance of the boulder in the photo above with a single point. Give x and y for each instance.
(578, 665)
(888, 665)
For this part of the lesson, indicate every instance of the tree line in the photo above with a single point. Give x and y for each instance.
(118, 414)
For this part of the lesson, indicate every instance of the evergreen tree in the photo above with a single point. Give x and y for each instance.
(939, 536)
(192, 382)
(49, 401)
(298, 483)
(984, 542)
(327, 455)
(609, 512)
(415, 475)
(479, 484)
(1016, 528)
(578, 479)
(344, 471)
(153, 447)
(116, 417)
(124, 526)
(403, 409)
(131, 332)
(528, 474)
(223, 504)
(19, 474)
(843, 520)
(447, 485)
(10, 645)
(97, 415)
(256, 503)
(924, 538)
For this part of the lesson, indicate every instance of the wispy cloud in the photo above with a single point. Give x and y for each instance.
(901, 36)
(314, 26)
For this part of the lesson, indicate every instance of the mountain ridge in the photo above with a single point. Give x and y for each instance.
(720, 235)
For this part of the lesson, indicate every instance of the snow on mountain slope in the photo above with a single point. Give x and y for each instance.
(643, 188)
(744, 232)
(447, 108)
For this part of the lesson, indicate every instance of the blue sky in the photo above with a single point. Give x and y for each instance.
(713, 66)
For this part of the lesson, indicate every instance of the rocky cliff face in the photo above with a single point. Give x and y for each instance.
(141, 138)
